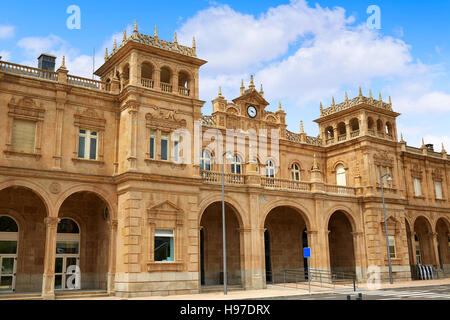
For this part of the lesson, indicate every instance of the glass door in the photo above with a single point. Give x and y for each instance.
(66, 272)
(8, 265)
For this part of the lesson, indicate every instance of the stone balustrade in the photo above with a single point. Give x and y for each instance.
(166, 87)
(273, 183)
(147, 83)
(28, 71)
(183, 91)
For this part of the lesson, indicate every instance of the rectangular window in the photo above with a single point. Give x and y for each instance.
(438, 188)
(165, 147)
(87, 144)
(392, 250)
(152, 144)
(164, 245)
(24, 136)
(417, 187)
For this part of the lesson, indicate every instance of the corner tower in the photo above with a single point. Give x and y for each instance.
(360, 116)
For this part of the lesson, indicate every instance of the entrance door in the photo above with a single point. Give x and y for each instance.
(67, 261)
(66, 268)
(9, 236)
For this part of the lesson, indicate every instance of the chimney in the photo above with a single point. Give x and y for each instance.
(47, 62)
(430, 147)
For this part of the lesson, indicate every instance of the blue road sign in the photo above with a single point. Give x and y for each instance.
(307, 252)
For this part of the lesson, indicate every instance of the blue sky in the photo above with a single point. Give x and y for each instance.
(303, 52)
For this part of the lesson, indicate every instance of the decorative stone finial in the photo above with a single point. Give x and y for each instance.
(301, 127)
(115, 45)
(124, 35)
(370, 94)
(380, 98)
(423, 144)
(220, 91)
(332, 101)
(135, 26)
(401, 138)
(279, 106)
(193, 42)
(242, 87)
(443, 149)
(390, 100)
(252, 84)
(261, 92)
(175, 38)
(156, 31)
(106, 54)
(360, 92)
(321, 108)
(346, 96)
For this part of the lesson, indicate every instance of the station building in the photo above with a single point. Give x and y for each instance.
(91, 180)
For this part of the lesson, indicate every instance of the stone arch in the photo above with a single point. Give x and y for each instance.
(101, 193)
(356, 226)
(342, 248)
(34, 187)
(211, 244)
(166, 71)
(298, 207)
(423, 232)
(239, 211)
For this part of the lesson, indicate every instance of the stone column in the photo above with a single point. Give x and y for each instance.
(112, 256)
(413, 247)
(347, 131)
(434, 239)
(48, 281)
(157, 78)
(175, 82)
(134, 70)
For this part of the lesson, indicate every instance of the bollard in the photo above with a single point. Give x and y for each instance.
(359, 296)
(349, 297)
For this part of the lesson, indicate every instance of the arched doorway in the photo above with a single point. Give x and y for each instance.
(28, 211)
(84, 224)
(211, 244)
(443, 243)
(423, 242)
(67, 259)
(9, 239)
(341, 246)
(410, 244)
(284, 241)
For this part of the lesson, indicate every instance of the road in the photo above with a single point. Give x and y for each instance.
(440, 292)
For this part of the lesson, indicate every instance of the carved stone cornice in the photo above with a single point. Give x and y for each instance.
(89, 119)
(26, 108)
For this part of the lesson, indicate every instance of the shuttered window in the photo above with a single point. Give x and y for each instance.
(340, 176)
(24, 136)
(417, 188)
(438, 187)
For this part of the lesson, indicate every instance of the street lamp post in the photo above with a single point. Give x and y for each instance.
(386, 227)
(223, 225)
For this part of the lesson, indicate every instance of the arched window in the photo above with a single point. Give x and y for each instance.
(147, 75)
(68, 226)
(354, 125)
(183, 83)
(205, 161)
(295, 172)
(370, 126)
(236, 165)
(165, 78)
(340, 176)
(270, 169)
(342, 132)
(8, 225)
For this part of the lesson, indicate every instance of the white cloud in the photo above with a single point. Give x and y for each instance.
(5, 55)
(7, 32)
(300, 53)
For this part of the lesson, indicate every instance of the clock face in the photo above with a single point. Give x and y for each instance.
(252, 111)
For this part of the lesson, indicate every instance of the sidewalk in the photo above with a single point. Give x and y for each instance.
(279, 291)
